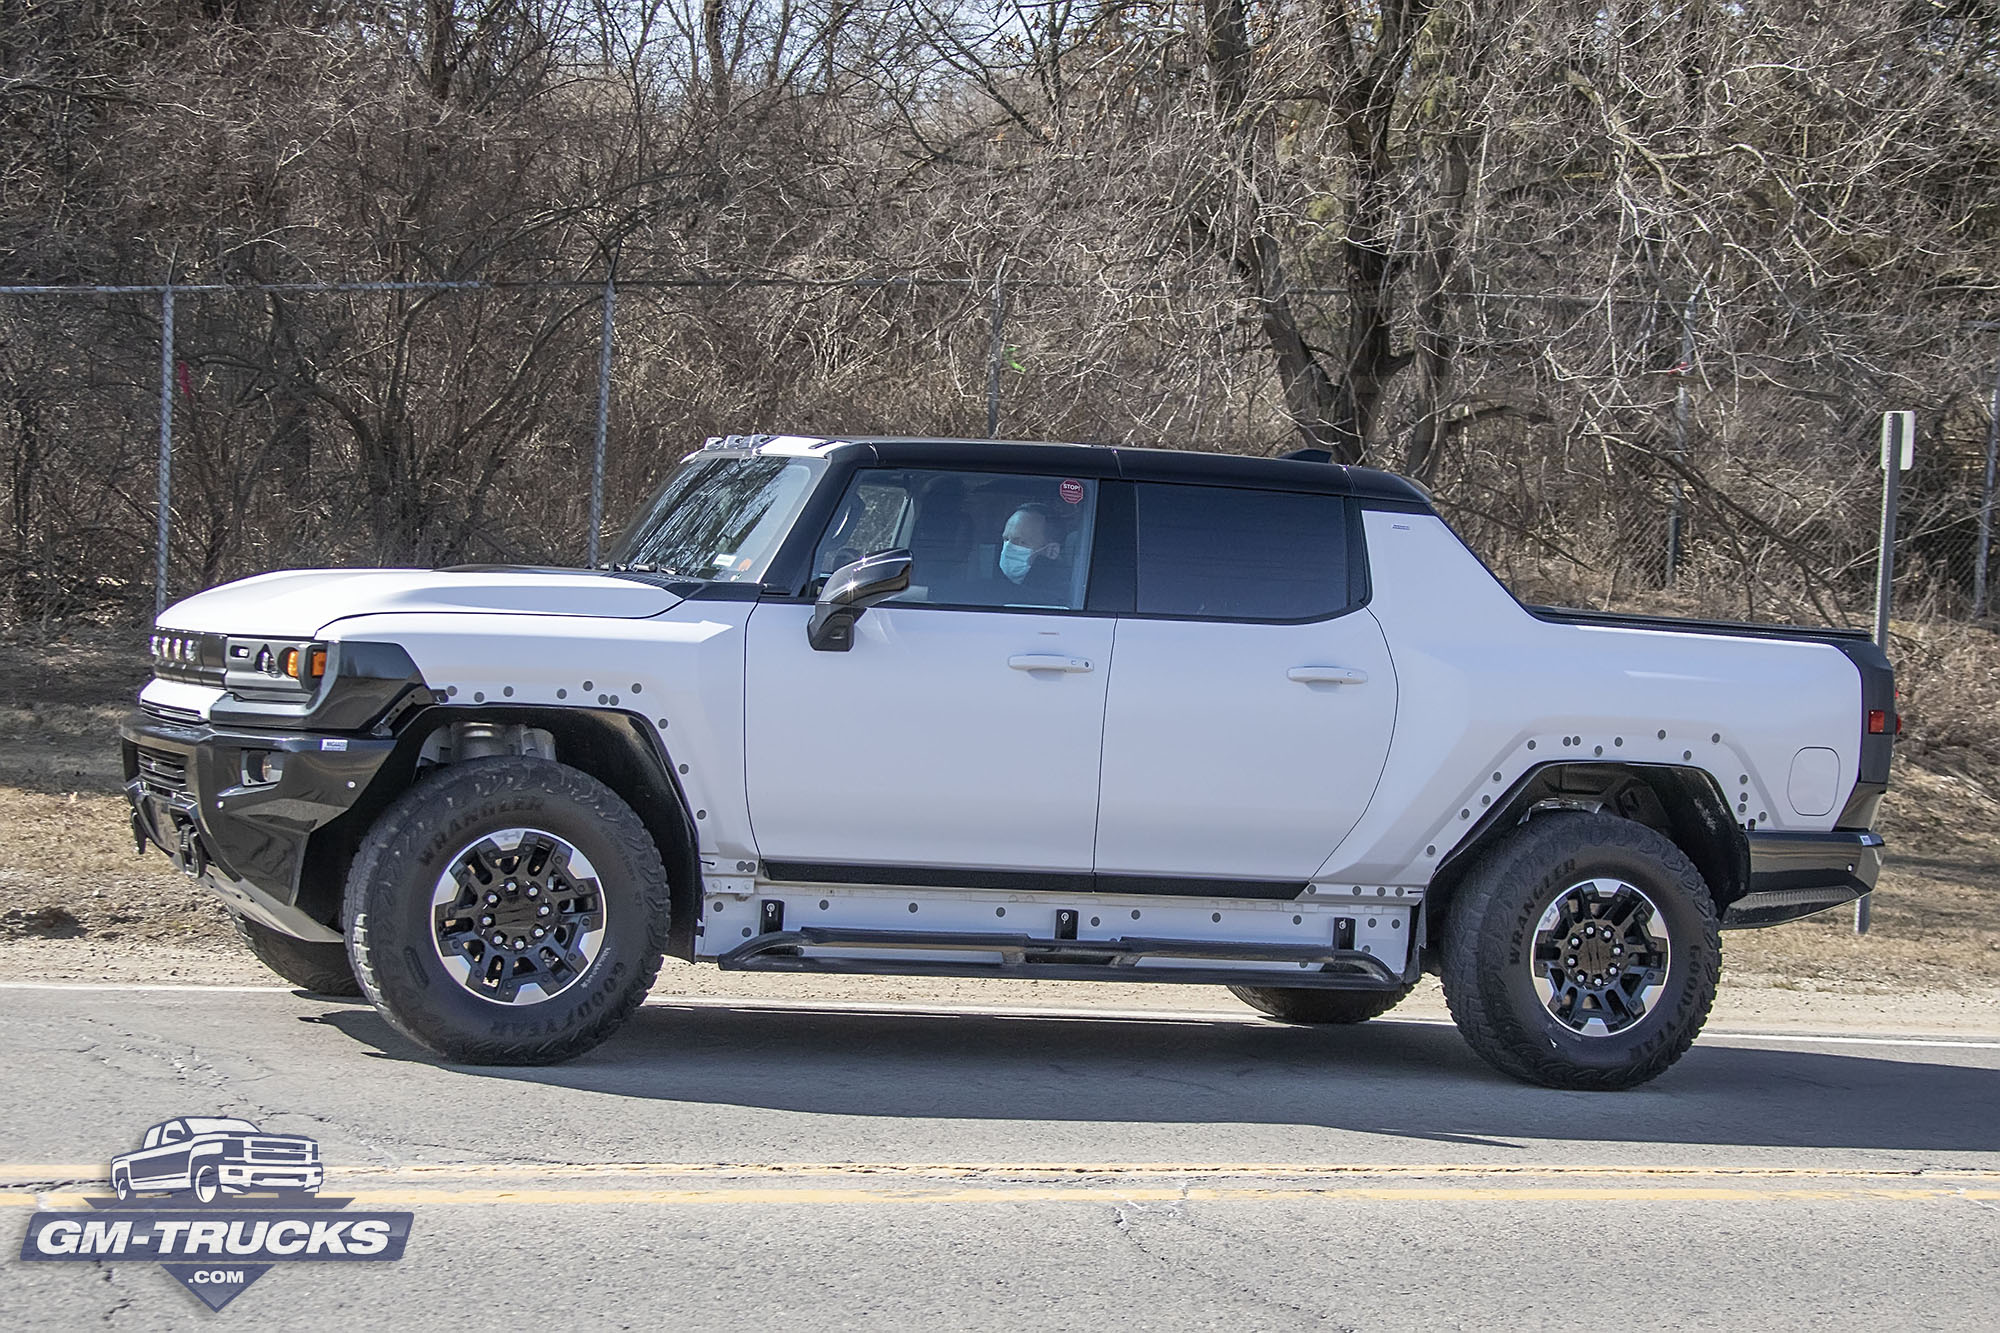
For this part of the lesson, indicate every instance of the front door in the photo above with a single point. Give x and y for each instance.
(1253, 698)
(961, 733)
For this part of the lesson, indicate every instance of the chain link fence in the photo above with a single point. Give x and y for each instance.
(1666, 454)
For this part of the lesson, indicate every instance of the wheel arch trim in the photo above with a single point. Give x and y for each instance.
(1685, 806)
(621, 749)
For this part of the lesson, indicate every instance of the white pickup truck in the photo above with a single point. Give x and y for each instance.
(1013, 710)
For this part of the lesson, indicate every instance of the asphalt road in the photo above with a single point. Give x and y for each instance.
(756, 1165)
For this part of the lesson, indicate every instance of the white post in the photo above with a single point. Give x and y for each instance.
(1899, 444)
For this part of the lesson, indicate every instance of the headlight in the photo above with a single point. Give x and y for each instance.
(274, 664)
(179, 655)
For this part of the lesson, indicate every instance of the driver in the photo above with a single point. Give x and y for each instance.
(1030, 558)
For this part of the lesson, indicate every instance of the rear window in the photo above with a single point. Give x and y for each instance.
(1222, 553)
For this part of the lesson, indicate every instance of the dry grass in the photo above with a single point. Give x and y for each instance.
(65, 840)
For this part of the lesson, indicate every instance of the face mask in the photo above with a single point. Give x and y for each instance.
(1014, 559)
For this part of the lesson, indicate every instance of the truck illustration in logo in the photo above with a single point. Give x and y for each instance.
(209, 1157)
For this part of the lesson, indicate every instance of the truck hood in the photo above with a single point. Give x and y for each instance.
(302, 603)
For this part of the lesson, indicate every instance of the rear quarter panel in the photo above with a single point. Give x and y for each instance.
(1488, 692)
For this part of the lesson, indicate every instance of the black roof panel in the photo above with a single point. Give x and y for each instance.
(1132, 464)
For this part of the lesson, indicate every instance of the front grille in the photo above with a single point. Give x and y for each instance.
(277, 1150)
(162, 772)
(166, 713)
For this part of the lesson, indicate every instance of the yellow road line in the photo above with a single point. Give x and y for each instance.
(29, 1173)
(1102, 1194)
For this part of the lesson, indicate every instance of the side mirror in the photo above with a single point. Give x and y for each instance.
(849, 591)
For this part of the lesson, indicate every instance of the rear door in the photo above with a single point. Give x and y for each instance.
(957, 743)
(1252, 700)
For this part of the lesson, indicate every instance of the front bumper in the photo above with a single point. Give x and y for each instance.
(1797, 874)
(191, 794)
(266, 1176)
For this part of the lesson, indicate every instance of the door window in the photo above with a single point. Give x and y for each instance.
(976, 539)
(1224, 553)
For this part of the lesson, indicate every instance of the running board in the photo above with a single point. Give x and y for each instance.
(1321, 966)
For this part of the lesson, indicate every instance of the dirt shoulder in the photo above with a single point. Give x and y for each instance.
(77, 903)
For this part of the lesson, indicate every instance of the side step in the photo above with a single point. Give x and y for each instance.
(1323, 966)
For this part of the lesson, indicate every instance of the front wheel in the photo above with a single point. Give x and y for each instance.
(207, 1184)
(507, 911)
(1301, 1004)
(1582, 953)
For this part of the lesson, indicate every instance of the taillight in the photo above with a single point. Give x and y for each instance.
(1878, 721)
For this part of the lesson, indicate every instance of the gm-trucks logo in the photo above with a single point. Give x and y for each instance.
(217, 1201)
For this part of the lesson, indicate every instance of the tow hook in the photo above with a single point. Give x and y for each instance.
(192, 858)
(139, 833)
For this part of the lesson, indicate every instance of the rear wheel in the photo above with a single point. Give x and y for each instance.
(507, 911)
(1299, 1004)
(307, 964)
(1582, 953)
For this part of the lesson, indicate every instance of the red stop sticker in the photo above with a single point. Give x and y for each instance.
(1071, 492)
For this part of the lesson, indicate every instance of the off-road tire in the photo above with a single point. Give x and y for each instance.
(389, 912)
(320, 967)
(1489, 933)
(1301, 1004)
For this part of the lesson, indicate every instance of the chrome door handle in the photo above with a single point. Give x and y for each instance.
(1327, 675)
(1047, 662)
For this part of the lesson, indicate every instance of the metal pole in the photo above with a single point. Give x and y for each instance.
(603, 414)
(1979, 588)
(1676, 513)
(164, 499)
(999, 349)
(1894, 426)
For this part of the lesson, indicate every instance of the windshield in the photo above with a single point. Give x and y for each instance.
(218, 1125)
(719, 518)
